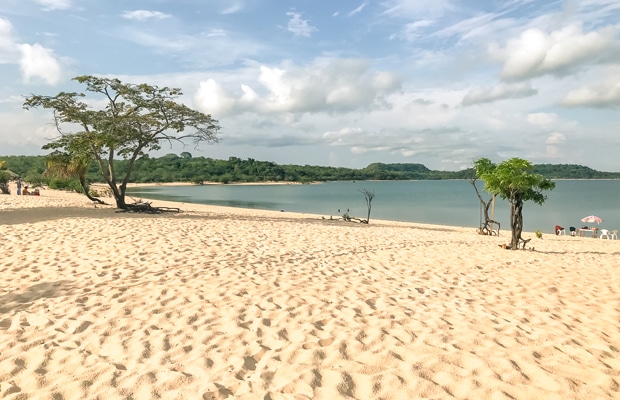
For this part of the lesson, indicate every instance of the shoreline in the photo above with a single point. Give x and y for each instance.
(151, 184)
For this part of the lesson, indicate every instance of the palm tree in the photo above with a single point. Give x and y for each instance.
(70, 166)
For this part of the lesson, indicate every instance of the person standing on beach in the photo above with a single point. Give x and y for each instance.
(19, 186)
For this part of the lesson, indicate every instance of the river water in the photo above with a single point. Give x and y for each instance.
(444, 202)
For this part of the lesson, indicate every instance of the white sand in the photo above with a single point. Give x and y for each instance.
(220, 303)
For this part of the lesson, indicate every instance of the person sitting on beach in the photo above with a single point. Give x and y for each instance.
(36, 192)
(25, 192)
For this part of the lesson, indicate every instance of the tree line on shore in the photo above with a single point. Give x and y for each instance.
(187, 168)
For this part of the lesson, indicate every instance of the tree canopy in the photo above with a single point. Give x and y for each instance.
(136, 119)
(515, 181)
(188, 167)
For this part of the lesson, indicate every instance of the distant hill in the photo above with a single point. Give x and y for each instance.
(572, 171)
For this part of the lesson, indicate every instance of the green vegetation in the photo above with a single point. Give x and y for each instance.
(134, 120)
(186, 168)
(5, 177)
(572, 171)
(515, 181)
(62, 165)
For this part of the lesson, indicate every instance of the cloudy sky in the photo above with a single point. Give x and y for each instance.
(339, 83)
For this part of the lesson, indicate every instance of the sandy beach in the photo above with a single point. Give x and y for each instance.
(216, 303)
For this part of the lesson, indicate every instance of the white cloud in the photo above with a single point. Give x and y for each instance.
(9, 52)
(339, 136)
(143, 15)
(598, 96)
(412, 31)
(298, 26)
(542, 119)
(328, 85)
(213, 99)
(555, 138)
(232, 8)
(215, 33)
(358, 9)
(418, 9)
(552, 150)
(536, 53)
(499, 92)
(479, 26)
(50, 5)
(38, 62)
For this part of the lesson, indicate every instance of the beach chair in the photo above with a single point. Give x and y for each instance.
(604, 233)
(573, 231)
(559, 230)
(614, 234)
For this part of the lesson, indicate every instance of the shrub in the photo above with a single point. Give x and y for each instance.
(4, 182)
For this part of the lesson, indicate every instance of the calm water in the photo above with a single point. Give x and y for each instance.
(442, 202)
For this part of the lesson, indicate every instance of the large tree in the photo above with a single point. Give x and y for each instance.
(514, 181)
(136, 119)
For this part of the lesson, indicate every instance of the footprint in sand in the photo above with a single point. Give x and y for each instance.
(321, 343)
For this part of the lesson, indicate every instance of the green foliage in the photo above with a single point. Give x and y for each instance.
(172, 168)
(514, 181)
(4, 182)
(36, 180)
(71, 184)
(572, 171)
(134, 121)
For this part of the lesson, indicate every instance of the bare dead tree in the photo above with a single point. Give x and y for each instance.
(368, 195)
(487, 227)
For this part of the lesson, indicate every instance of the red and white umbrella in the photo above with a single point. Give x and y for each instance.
(591, 219)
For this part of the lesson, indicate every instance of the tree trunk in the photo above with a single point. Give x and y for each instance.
(86, 190)
(487, 228)
(119, 197)
(516, 222)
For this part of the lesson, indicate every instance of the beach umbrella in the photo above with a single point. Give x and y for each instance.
(592, 218)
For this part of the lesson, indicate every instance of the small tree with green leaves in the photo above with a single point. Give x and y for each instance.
(514, 181)
(135, 120)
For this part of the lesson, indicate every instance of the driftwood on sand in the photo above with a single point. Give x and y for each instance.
(146, 208)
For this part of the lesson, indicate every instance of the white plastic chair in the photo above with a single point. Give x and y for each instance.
(604, 232)
(614, 234)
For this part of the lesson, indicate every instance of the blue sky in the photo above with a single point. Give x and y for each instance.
(340, 83)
